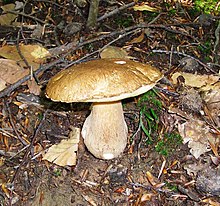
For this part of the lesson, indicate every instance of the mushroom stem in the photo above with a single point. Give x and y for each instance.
(105, 130)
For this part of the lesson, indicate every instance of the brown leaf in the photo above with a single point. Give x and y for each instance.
(113, 52)
(34, 54)
(138, 39)
(146, 197)
(211, 96)
(64, 153)
(5, 189)
(153, 180)
(34, 88)
(211, 202)
(10, 73)
(145, 7)
(7, 18)
(198, 136)
(194, 80)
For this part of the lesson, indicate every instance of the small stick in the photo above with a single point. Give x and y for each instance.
(13, 125)
(27, 15)
(25, 160)
(185, 55)
(115, 11)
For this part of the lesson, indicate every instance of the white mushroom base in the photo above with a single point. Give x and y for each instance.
(105, 130)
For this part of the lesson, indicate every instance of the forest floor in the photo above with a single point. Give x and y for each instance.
(172, 155)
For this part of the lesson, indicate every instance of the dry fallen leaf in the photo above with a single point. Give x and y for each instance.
(7, 18)
(195, 131)
(10, 73)
(145, 7)
(153, 180)
(34, 88)
(2, 84)
(197, 134)
(146, 197)
(193, 169)
(211, 202)
(113, 52)
(138, 39)
(34, 54)
(64, 153)
(212, 99)
(5, 189)
(195, 80)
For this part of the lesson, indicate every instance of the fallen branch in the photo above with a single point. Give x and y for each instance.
(65, 50)
(73, 46)
(13, 124)
(27, 15)
(185, 55)
(115, 11)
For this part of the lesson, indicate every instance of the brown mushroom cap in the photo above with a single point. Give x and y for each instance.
(102, 80)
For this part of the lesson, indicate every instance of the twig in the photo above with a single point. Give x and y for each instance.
(23, 58)
(25, 160)
(99, 50)
(20, 151)
(171, 56)
(19, 50)
(115, 11)
(56, 4)
(185, 55)
(27, 15)
(13, 125)
(167, 92)
(6, 133)
(150, 187)
(156, 18)
(73, 47)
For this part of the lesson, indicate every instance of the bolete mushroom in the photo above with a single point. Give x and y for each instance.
(104, 82)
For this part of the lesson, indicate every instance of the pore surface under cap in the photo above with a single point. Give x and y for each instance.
(102, 80)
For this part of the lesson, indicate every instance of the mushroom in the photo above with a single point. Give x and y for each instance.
(104, 82)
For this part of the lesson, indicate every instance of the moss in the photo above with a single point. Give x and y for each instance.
(207, 6)
(168, 144)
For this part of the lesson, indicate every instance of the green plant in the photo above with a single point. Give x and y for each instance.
(207, 6)
(151, 98)
(149, 113)
(149, 16)
(57, 172)
(123, 21)
(150, 107)
(40, 115)
(168, 144)
(205, 48)
(8, 1)
(89, 47)
(172, 187)
(172, 12)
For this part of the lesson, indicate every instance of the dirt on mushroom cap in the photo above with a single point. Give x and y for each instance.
(102, 80)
